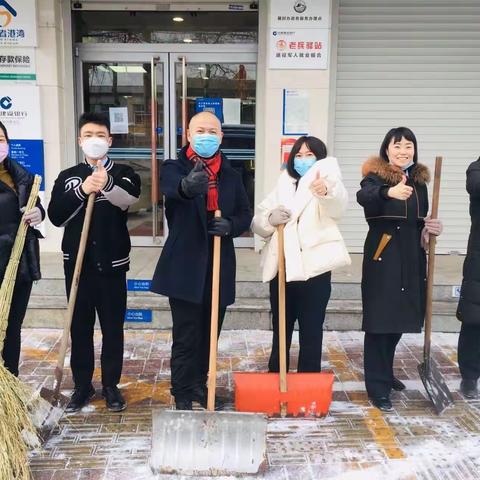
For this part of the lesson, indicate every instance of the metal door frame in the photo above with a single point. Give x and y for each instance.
(168, 55)
(202, 57)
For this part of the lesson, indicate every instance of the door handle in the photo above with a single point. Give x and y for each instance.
(154, 163)
(184, 100)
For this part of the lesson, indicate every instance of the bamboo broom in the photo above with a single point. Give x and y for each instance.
(20, 407)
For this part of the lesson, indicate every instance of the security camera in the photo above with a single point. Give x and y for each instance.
(254, 6)
(77, 5)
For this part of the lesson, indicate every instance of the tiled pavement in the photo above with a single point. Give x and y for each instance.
(354, 441)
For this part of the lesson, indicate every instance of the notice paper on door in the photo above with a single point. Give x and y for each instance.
(118, 119)
(296, 112)
(232, 111)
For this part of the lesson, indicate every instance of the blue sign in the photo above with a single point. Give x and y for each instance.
(139, 285)
(213, 105)
(29, 154)
(140, 316)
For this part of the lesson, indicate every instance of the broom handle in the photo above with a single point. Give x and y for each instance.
(431, 265)
(282, 334)
(212, 362)
(73, 291)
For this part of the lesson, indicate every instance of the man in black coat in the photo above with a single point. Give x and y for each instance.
(198, 183)
(468, 311)
(102, 286)
(15, 186)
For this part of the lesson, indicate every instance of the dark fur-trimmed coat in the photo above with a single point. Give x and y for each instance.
(394, 284)
(468, 310)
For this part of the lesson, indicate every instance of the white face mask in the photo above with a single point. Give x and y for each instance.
(95, 148)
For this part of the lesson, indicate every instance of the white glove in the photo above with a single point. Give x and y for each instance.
(279, 215)
(33, 217)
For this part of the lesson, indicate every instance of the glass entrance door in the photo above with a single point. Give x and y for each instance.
(227, 88)
(149, 98)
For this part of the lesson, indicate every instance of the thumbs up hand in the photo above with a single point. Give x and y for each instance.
(100, 175)
(401, 191)
(318, 187)
(196, 182)
(97, 180)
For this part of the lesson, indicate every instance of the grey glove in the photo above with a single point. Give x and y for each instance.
(33, 217)
(279, 215)
(196, 182)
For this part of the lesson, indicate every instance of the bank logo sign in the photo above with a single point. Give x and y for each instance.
(5, 103)
(7, 12)
(18, 23)
(20, 113)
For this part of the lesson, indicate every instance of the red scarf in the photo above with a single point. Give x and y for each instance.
(212, 167)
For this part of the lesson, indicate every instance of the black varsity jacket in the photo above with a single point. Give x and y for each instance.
(108, 245)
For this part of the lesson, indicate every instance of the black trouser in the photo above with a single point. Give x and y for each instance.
(469, 351)
(306, 301)
(378, 354)
(106, 295)
(191, 345)
(11, 346)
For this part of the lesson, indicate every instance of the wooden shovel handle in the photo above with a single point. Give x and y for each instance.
(381, 245)
(282, 320)
(431, 263)
(73, 291)
(212, 362)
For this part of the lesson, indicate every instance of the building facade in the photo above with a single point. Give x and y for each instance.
(343, 70)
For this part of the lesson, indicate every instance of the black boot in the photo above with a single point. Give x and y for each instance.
(80, 397)
(469, 388)
(382, 403)
(114, 399)
(397, 385)
(200, 395)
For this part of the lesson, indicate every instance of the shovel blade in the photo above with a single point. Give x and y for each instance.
(308, 394)
(49, 419)
(207, 443)
(435, 385)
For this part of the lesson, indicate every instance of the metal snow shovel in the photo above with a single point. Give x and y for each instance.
(54, 396)
(208, 442)
(305, 394)
(432, 379)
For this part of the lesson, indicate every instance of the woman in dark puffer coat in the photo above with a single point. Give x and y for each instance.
(15, 186)
(468, 311)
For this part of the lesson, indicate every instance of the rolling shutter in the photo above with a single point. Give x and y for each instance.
(413, 64)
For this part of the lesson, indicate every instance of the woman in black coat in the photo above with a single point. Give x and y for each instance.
(394, 197)
(468, 311)
(15, 186)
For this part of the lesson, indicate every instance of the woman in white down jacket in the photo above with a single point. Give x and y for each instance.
(309, 199)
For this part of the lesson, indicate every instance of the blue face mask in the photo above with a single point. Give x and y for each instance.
(303, 165)
(205, 144)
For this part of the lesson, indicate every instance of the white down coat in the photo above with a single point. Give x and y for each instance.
(313, 242)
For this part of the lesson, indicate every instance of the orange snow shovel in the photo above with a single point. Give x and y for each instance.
(308, 394)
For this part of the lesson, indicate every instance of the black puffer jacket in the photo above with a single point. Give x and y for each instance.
(10, 204)
(393, 280)
(468, 310)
